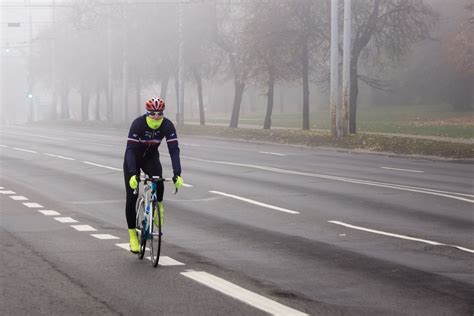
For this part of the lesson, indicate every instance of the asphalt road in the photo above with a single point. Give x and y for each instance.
(258, 229)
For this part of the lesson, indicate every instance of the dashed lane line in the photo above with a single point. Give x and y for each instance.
(164, 260)
(379, 232)
(25, 150)
(18, 197)
(104, 236)
(65, 219)
(271, 153)
(58, 156)
(7, 192)
(101, 166)
(33, 205)
(49, 212)
(398, 169)
(253, 299)
(84, 228)
(255, 202)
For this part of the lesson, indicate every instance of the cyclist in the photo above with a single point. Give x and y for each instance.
(144, 138)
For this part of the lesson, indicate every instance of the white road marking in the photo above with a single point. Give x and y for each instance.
(167, 261)
(2, 188)
(104, 236)
(36, 135)
(57, 156)
(270, 153)
(97, 202)
(26, 150)
(84, 228)
(400, 236)
(18, 197)
(33, 205)
(241, 294)
(65, 220)
(125, 246)
(102, 166)
(191, 145)
(4, 146)
(451, 195)
(49, 212)
(7, 192)
(187, 185)
(407, 170)
(255, 202)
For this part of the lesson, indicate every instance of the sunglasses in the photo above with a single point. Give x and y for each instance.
(155, 113)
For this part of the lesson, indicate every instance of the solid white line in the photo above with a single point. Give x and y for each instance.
(400, 236)
(84, 228)
(35, 135)
(33, 205)
(65, 220)
(7, 192)
(187, 185)
(407, 170)
(104, 236)
(452, 195)
(27, 150)
(18, 197)
(255, 202)
(270, 153)
(102, 166)
(4, 146)
(241, 294)
(57, 156)
(49, 212)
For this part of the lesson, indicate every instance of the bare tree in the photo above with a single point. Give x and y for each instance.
(384, 29)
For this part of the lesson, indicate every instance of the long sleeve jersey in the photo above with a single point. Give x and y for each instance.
(142, 142)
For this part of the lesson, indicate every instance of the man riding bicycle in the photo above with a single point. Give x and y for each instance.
(144, 138)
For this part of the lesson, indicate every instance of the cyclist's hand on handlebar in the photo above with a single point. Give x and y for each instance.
(133, 182)
(178, 181)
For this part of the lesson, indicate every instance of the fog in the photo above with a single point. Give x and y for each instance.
(100, 60)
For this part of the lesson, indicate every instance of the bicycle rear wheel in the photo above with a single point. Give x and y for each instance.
(140, 216)
(155, 236)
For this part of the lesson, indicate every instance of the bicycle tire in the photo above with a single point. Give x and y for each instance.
(155, 248)
(140, 212)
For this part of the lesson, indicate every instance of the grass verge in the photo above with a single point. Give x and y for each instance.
(379, 143)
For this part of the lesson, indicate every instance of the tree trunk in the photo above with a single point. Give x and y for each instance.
(54, 106)
(110, 103)
(199, 91)
(305, 86)
(239, 91)
(164, 87)
(64, 102)
(267, 124)
(354, 92)
(85, 98)
(97, 105)
(138, 96)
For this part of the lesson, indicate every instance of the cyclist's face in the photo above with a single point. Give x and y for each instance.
(155, 115)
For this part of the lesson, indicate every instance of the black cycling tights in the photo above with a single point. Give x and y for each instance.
(151, 167)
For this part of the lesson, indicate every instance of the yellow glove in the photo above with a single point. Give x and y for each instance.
(133, 182)
(178, 181)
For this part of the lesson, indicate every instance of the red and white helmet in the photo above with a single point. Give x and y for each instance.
(155, 104)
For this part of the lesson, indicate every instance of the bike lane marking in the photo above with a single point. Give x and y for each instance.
(256, 202)
(256, 300)
(164, 260)
(7, 192)
(104, 236)
(49, 212)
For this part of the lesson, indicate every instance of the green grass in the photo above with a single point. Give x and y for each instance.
(416, 120)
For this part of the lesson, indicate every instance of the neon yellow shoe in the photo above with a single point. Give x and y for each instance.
(162, 213)
(134, 246)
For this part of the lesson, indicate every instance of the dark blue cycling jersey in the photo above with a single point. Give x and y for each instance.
(143, 143)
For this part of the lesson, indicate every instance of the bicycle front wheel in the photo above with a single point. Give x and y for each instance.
(140, 216)
(155, 236)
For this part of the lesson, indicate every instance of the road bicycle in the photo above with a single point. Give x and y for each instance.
(149, 219)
